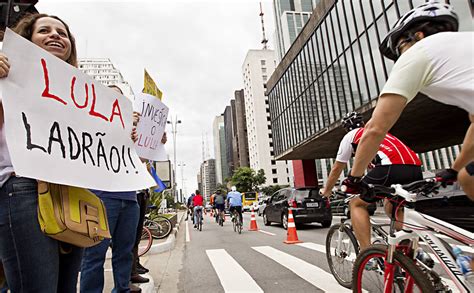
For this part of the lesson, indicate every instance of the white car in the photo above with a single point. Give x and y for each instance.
(261, 206)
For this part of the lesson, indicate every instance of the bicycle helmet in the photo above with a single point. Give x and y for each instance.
(233, 188)
(427, 12)
(352, 121)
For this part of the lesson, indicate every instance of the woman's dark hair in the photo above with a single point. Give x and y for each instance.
(197, 192)
(25, 29)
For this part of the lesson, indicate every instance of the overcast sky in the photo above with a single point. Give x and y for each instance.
(193, 49)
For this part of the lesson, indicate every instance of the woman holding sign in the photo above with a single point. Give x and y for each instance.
(33, 261)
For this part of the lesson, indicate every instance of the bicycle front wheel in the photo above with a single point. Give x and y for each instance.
(341, 251)
(146, 241)
(369, 272)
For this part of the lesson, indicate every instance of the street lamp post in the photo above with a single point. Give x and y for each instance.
(182, 165)
(174, 129)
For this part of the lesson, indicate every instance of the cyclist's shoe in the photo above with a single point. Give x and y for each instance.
(141, 269)
(424, 258)
(374, 264)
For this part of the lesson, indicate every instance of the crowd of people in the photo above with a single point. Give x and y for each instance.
(431, 57)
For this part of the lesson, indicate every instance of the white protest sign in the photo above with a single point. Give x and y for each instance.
(151, 126)
(64, 127)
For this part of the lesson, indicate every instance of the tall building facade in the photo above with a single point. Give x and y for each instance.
(220, 154)
(229, 136)
(290, 18)
(240, 140)
(208, 178)
(257, 66)
(334, 67)
(103, 70)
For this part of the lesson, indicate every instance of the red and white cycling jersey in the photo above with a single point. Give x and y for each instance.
(391, 151)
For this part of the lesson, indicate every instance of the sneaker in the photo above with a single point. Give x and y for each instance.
(139, 279)
(374, 264)
(134, 288)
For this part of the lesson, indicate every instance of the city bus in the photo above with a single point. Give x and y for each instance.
(248, 199)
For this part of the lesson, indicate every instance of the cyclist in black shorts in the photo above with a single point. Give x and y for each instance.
(219, 202)
(394, 163)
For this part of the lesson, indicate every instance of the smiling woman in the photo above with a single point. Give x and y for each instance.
(23, 247)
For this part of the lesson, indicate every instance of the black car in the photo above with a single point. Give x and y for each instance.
(449, 204)
(340, 207)
(306, 204)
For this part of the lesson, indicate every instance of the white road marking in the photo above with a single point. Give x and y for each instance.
(311, 273)
(322, 249)
(188, 238)
(266, 232)
(232, 276)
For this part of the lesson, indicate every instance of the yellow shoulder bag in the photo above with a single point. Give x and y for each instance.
(71, 214)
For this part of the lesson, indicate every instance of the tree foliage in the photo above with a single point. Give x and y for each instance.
(246, 179)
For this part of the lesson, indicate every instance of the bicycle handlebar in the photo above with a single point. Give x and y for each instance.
(408, 191)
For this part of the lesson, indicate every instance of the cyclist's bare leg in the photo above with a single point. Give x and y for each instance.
(467, 183)
(360, 221)
(388, 210)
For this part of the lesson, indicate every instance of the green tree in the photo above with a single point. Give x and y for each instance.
(222, 187)
(271, 189)
(246, 179)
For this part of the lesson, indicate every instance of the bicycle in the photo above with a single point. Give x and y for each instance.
(237, 224)
(160, 227)
(396, 263)
(220, 218)
(146, 241)
(342, 246)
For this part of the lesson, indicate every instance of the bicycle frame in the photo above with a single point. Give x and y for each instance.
(426, 227)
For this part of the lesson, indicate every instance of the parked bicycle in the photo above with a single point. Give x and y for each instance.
(160, 227)
(395, 265)
(342, 247)
(146, 241)
(236, 222)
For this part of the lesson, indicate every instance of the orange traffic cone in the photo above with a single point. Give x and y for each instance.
(292, 237)
(253, 222)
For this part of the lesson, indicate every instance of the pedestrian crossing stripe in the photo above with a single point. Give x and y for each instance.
(232, 276)
(311, 273)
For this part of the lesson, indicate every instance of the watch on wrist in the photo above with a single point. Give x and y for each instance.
(355, 179)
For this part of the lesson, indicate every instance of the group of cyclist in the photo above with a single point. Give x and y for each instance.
(233, 199)
(433, 58)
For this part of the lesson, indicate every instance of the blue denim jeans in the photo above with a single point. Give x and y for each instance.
(122, 216)
(32, 260)
(196, 214)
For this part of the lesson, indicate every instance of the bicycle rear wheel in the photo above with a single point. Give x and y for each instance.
(341, 251)
(146, 241)
(160, 227)
(407, 277)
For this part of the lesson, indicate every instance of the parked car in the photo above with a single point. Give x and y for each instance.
(450, 204)
(262, 203)
(306, 204)
(339, 207)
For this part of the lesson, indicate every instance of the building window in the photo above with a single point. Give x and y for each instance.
(273, 162)
(264, 70)
(274, 171)
(262, 62)
(272, 153)
(275, 180)
(268, 118)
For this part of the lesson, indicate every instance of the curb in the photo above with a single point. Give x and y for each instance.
(159, 247)
(169, 243)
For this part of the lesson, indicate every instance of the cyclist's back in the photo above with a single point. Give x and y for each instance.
(235, 202)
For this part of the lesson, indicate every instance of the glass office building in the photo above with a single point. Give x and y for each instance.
(334, 67)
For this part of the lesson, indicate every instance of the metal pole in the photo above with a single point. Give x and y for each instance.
(174, 156)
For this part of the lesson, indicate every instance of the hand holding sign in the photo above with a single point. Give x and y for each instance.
(153, 116)
(63, 127)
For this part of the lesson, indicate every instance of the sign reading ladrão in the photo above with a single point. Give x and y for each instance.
(64, 127)
(151, 126)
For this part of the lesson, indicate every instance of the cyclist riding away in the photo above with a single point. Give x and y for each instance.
(213, 206)
(234, 199)
(432, 58)
(190, 206)
(219, 201)
(394, 163)
(197, 203)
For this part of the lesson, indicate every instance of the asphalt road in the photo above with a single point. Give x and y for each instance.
(217, 259)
